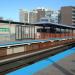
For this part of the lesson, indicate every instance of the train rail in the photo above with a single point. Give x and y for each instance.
(24, 60)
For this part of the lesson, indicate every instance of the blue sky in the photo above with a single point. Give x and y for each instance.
(10, 8)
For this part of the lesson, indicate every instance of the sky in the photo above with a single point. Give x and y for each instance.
(9, 9)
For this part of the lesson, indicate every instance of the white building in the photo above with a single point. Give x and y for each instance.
(54, 17)
(39, 14)
(24, 16)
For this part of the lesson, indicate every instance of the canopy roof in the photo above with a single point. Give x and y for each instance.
(43, 24)
(49, 24)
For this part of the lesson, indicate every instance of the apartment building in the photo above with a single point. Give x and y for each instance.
(67, 15)
(39, 14)
(24, 16)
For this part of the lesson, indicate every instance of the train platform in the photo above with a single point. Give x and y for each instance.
(61, 64)
(20, 42)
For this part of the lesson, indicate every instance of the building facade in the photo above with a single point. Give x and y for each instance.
(67, 15)
(32, 16)
(55, 17)
(7, 32)
(39, 14)
(24, 16)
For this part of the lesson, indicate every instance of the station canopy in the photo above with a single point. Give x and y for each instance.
(56, 25)
(43, 24)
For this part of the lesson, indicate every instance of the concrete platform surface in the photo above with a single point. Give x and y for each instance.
(65, 66)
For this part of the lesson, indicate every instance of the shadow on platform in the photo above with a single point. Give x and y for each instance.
(63, 70)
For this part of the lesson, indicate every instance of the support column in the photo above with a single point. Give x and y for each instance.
(68, 33)
(55, 32)
(60, 32)
(44, 33)
(50, 34)
(10, 30)
(34, 33)
(64, 33)
(29, 32)
(72, 33)
(21, 33)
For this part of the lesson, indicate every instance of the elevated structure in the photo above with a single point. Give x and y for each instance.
(38, 30)
(35, 39)
(46, 30)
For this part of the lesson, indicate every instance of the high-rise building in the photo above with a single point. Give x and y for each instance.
(39, 14)
(67, 15)
(55, 17)
(51, 16)
(32, 16)
(24, 16)
(47, 15)
(28, 17)
(44, 14)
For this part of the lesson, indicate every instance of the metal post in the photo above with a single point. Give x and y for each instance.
(65, 32)
(21, 32)
(68, 33)
(50, 33)
(29, 32)
(44, 33)
(10, 30)
(25, 33)
(15, 32)
(18, 31)
(34, 32)
(72, 33)
(55, 33)
(60, 32)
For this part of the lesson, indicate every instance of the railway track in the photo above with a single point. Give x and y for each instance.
(11, 65)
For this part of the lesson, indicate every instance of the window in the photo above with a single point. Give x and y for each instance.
(73, 11)
(4, 29)
(73, 15)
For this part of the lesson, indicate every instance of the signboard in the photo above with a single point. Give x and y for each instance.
(4, 29)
